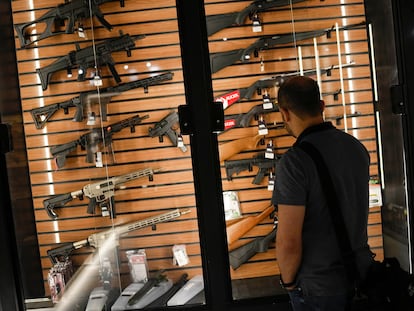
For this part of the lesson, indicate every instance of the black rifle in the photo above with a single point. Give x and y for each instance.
(244, 119)
(42, 114)
(220, 21)
(82, 59)
(264, 164)
(96, 240)
(100, 194)
(165, 127)
(90, 141)
(153, 281)
(54, 20)
(277, 80)
(224, 59)
(242, 254)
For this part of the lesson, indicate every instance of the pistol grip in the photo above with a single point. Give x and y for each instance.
(44, 78)
(111, 65)
(91, 206)
(172, 135)
(79, 113)
(259, 176)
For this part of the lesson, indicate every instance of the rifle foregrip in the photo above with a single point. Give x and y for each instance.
(56, 201)
(97, 12)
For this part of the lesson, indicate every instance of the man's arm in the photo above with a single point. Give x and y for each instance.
(289, 240)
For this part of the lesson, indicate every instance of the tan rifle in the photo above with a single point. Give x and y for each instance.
(236, 230)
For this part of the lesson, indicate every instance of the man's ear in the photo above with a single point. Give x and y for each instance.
(322, 102)
(285, 114)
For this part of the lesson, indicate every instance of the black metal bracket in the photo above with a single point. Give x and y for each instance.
(217, 119)
(397, 99)
(6, 144)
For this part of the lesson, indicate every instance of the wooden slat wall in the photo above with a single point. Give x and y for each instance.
(173, 186)
(355, 103)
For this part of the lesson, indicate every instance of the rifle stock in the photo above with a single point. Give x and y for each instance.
(242, 254)
(56, 201)
(233, 147)
(240, 228)
(45, 73)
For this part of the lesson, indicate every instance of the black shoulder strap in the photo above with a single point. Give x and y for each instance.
(336, 214)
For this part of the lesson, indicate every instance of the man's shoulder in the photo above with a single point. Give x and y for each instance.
(295, 158)
(335, 137)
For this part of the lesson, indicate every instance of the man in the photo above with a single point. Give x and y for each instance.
(307, 250)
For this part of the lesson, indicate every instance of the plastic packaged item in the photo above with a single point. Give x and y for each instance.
(101, 298)
(127, 293)
(231, 205)
(188, 291)
(138, 266)
(180, 257)
(154, 293)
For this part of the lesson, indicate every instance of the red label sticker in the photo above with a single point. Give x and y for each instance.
(229, 98)
(229, 124)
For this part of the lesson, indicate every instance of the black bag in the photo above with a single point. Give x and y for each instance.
(387, 286)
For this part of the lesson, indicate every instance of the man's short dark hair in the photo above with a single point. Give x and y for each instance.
(300, 95)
